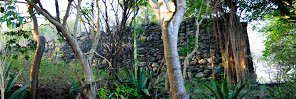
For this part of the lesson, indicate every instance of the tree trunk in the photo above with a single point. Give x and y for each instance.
(89, 80)
(233, 44)
(165, 12)
(170, 38)
(38, 55)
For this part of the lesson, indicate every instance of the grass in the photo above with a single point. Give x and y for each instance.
(56, 74)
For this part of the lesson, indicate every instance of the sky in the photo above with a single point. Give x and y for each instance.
(256, 40)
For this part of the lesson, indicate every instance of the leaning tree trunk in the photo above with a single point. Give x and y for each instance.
(38, 55)
(165, 11)
(89, 80)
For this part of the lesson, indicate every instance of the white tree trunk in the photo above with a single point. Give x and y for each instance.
(170, 38)
(165, 11)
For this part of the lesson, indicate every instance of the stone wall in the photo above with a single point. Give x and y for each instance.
(150, 47)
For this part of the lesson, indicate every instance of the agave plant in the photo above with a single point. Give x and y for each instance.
(19, 93)
(139, 80)
(225, 92)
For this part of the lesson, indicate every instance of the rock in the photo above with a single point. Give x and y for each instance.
(141, 49)
(155, 65)
(161, 61)
(205, 55)
(197, 58)
(210, 60)
(218, 70)
(152, 59)
(182, 34)
(155, 54)
(193, 69)
(202, 61)
(159, 57)
(208, 71)
(193, 62)
(142, 64)
(209, 66)
(199, 75)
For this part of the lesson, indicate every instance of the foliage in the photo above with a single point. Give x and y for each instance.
(287, 91)
(121, 91)
(194, 87)
(280, 45)
(19, 93)
(141, 81)
(10, 15)
(193, 7)
(187, 49)
(55, 74)
(138, 80)
(20, 41)
(145, 12)
(257, 9)
(14, 21)
(223, 91)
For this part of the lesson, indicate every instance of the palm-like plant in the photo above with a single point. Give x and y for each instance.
(19, 93)
(225, 92)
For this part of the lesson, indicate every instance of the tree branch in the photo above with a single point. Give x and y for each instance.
(77, 18)
(154, 5)
(181, 5)
(67, 12)
(98, 34)
(50, 19)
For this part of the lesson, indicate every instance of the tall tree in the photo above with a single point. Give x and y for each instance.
(169, 15)
(89, 85)
(38, 54)
(198, 21)
(233, 41)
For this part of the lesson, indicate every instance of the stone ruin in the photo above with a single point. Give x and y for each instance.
(150, 47)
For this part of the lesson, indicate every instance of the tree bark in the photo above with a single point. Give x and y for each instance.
(165, 11)
(234, 46)
(38, 55)
(89, 80)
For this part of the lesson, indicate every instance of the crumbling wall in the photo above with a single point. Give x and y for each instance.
(150, 47)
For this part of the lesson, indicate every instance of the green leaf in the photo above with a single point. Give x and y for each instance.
(213, 92)
(121, 96)
(60, 40)
(19, 93)
(219, 91)
(2, 9)
(239, 90)
(11, 82)
(10, 13)
(11, 7)
(209, 97)
(7, 70)
(226, 88)
(146, 91)
(235, 88)
(8, 3)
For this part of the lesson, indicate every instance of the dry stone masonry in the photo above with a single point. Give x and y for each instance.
(150, 47)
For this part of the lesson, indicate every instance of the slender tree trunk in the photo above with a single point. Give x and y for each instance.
(89, 80)
(38, 55)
